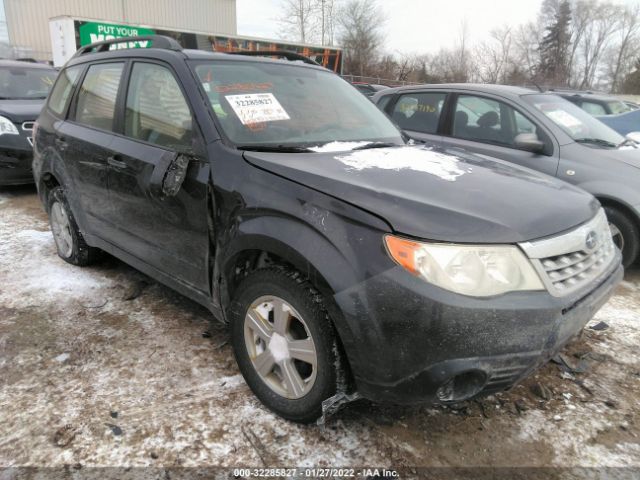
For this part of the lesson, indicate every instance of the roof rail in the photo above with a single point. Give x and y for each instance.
(157, 41)
(277, 53)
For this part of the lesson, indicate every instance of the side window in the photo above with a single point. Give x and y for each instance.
(96, 102)
(593, 108)
(523, 125)
(491, 121)
(62, 89)
(419, 112)
(157, 111)
(384, 101)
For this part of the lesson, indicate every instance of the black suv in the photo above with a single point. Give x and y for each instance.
(23, 89)
(345, 262)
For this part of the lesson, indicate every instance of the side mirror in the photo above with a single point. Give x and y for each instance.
(176, 173)
(169, 174)
(529, 142)
(633, 136)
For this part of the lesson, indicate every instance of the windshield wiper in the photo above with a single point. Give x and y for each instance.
(627, 141)
(376, 145)
(597, 141)
(273, 148)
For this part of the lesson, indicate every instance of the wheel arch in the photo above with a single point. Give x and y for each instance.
(266, 241)
(607, 201)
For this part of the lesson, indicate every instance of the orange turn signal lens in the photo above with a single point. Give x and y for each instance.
(403, 252)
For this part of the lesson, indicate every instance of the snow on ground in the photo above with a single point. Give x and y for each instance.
(101, 366)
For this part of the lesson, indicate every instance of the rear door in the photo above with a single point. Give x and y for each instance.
(419, 114)
(489, 126)
(170, 233)
(85, 139)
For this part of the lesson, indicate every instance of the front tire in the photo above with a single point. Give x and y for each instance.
(285, 344)
(70, 243)
(625, 235)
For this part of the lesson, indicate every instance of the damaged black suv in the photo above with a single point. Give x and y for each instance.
(345, 262)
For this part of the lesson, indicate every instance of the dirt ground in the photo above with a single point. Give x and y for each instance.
(101, 366)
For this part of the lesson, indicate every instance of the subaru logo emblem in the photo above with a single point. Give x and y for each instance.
(592, 240)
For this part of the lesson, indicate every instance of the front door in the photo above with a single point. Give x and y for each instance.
(169, 233)
(489, 127)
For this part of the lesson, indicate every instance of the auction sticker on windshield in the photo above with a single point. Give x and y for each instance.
(257, 108)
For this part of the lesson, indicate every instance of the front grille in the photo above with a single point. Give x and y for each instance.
(28, 126)
(569, 262)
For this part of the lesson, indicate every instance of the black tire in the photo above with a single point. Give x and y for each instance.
(294, 289)
(78, 253)
(629, 237)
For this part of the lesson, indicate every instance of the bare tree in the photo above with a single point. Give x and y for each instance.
(493, 57)
(327, 11)
(625, 51)
(361, 36)
(597, 34)
(299, 19)
(526, 40)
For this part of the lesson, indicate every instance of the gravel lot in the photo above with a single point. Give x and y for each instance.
(101, 366)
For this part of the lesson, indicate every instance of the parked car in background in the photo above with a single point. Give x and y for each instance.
(368, 89)
(624, 123)
(541, 131)
(24, 85)
(595, 104)
(291, 207)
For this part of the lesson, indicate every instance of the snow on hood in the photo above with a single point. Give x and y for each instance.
(446, 167)
(338, 146)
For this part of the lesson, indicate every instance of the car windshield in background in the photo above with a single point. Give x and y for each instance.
(577, 123)
(618, 107)
(279, 106)
(25, 83)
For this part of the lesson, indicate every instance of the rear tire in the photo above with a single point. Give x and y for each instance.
(70, 243)
(290, 360)
(625, 235)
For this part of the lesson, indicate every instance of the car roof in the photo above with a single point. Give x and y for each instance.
(24, 64)
(188, 54)
(586, 95)
(507, 90)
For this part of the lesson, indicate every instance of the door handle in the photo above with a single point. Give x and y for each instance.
(61, 143)
(116, 162)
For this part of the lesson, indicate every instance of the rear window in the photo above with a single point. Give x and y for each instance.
(59, 98)
(419, 112)
(96, 103)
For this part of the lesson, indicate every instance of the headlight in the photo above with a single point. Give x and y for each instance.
(7, 127)
(474, 270)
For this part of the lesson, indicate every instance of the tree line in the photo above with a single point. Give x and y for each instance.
(580, 44)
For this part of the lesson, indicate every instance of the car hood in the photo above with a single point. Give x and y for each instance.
(440, 195)
(627, 154)
(19, 111)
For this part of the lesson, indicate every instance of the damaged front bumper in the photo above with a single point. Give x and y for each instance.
(412, 342)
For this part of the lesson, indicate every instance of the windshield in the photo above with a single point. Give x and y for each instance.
(575, 122)
(25, 83)
(279, 105)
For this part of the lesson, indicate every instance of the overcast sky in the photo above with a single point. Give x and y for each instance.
(412, 25)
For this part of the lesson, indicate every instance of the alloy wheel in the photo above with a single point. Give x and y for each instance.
(280, 347)
(61, 228)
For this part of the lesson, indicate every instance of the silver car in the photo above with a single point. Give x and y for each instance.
(541, 131)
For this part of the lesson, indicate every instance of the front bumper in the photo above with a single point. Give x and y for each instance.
(415, 343)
